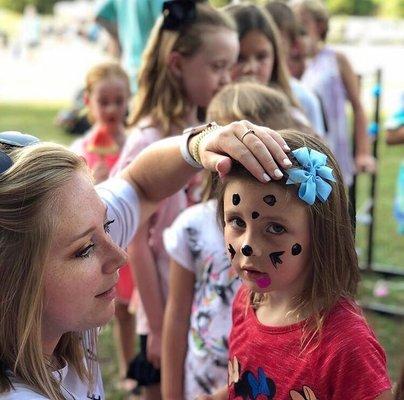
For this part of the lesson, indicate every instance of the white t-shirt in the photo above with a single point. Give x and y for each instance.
(123, 207)
(310, 105)
(72, 387)
(195, 241)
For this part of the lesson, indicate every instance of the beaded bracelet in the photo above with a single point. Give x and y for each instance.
(184, 143)
(195, 148)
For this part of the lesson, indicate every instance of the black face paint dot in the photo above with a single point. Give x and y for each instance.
(255, 215)
(236, 199)
(247, 250)
(296, 249)
(231, 251)
(276, 258)
(270, 199)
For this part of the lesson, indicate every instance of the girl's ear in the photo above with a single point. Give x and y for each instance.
(175, 63)
(86, 98)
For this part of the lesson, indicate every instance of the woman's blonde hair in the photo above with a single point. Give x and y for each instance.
(250, 17)
(334, 264)
(27, 223)
(160, 94)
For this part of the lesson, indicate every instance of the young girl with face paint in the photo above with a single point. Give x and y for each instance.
(187, 60)
(297, 332)
(202, 284)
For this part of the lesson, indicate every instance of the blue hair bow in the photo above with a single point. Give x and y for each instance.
(311, 176)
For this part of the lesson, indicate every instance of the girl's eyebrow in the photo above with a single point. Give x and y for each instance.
(277, 218)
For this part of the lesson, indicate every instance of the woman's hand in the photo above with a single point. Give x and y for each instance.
(261, 150)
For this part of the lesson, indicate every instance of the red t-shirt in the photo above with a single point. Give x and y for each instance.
(266, 362)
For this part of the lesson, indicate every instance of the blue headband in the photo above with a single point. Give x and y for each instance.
(311, 177)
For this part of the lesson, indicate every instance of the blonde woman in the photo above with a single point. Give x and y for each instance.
(60, 246)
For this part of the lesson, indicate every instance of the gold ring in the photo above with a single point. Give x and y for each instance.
(246, 133)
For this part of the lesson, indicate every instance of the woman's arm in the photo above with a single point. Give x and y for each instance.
(175, 331)
(160, 170)
(363, 158)
(148, 284)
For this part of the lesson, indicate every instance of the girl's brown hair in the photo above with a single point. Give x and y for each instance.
(250, 101)
(254, 102)
(284, 18)
(318, 12)
(28, 204)
(250, 17)
(103, 71)
(160, 94)
(334, 267)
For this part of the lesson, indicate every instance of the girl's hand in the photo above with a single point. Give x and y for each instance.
(153, 350)
(365, 163)
(261, 150)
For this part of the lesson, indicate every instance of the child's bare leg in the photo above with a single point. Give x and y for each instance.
(124, 332)
(151, 392)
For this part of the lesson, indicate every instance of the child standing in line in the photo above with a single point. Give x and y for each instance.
(286, 22)
(330, 75)
(297, 332)
(106, 96)
(261, 57)
(202, 285)
(187, 60)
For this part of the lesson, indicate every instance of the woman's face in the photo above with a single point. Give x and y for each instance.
(256, 59)
(82, 267)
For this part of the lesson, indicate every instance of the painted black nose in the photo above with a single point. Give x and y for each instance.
(247, 250)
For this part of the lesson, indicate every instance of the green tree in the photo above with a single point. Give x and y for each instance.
(352, 7)
(391, 8)
(43, 6)
(219, 3)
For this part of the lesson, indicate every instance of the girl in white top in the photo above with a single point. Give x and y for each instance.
(188, 59)
(60, 249)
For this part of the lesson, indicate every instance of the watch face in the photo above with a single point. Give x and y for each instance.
(193, 130)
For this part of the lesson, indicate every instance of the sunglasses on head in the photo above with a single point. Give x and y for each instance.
(10, 140)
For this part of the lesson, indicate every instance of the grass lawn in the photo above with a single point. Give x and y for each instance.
(388, 248)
